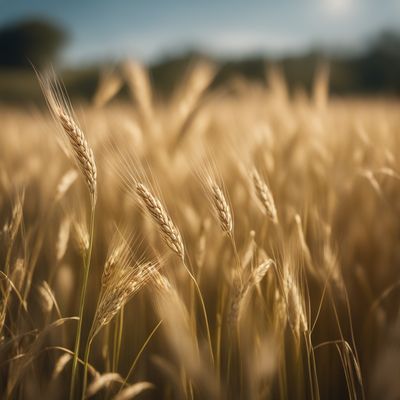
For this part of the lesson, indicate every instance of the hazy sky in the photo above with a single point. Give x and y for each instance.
(103, 29)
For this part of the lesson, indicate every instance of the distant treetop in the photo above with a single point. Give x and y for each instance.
(30, 41)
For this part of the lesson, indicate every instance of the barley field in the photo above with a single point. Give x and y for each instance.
(234, 243)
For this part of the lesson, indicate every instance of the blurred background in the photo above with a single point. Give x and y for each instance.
(358, 39)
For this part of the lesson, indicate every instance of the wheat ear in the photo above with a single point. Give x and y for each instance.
(62, 113)
(81, 149)
(169, 231)
(264, 195)
(222, 209)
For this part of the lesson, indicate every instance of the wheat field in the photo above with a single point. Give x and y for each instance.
(234, 243)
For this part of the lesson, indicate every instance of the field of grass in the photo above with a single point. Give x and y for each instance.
(239, 243)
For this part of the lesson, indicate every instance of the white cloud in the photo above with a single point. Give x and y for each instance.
(338, 7)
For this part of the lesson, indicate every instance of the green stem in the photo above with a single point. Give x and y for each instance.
(139, 354)
(115, 335)
(86, 268)
(120, 330)
(117, 339)
(106, 347)
(86, 363)
(203, 306)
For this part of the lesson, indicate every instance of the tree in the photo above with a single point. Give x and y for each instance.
(30, 41)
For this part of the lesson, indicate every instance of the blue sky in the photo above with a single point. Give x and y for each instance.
(147, 30)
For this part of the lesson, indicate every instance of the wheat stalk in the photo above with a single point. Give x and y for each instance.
(241, 290)
(83, 155)
(110, 83)
(122, 279)
(115, 297)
